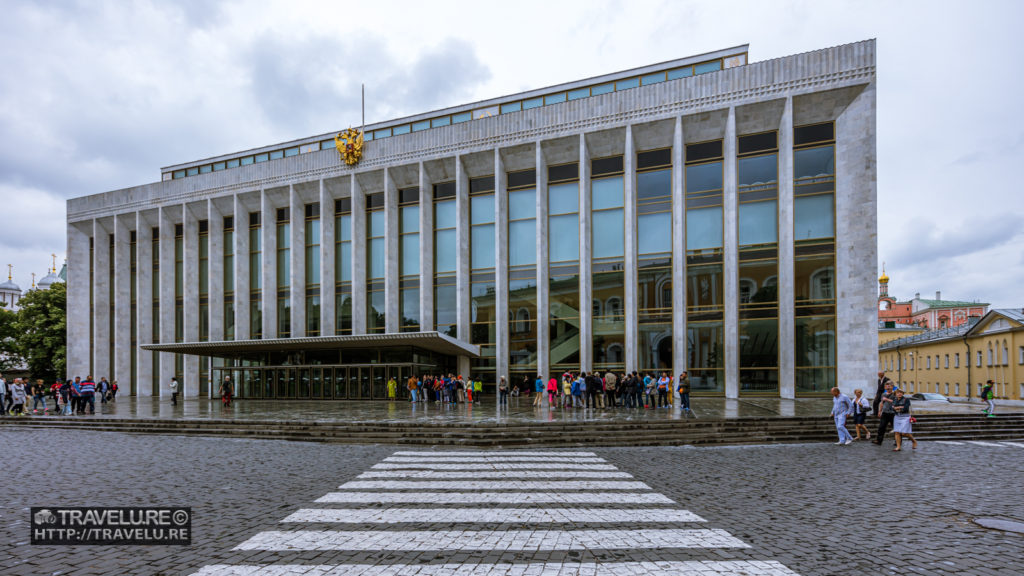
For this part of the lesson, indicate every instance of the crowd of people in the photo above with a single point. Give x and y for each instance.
(891, 406)
(70, 397)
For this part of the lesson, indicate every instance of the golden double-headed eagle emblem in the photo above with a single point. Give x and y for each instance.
(350, 145)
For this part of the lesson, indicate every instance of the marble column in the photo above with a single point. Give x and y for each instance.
(101, 300)
(215, 291)
(190, 269)
(426, 250)
(501, 267)
(297, 255)
(631, 276)
(268, 232)
(679, 284)
(122, 369)
(586, 280)
(358, 258)
(327, 255)
(786, 291)
(731, 260)
(78, 352)
(143, 305)
(392, 315)
(462, 310)
(543, 309)
(242, 287)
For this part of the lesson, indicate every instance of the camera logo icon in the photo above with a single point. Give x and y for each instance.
(44, 516)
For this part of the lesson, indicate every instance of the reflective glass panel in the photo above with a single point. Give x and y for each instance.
(758, 223)
(410, 218)
(410, 254)
(704, 228)
(345, 228)
(563, 198)
(814, 162)
(704, 177)
(444, 214)
(522, 204)
(607, 235)
(654, 233)
(656, 184)
(444, 250)
(522, 242)
(375, 223)
(606, 193)
(757, 170)
(481, 209)
(813, 217)
(482, 246)
(376, 258)
(563, 238)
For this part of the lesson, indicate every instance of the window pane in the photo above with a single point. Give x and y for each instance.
(410, 218)
(606, 193)
(654, 233)
(812, 217)
(704, 228)
(758, 223)
(522, 204)
(377, 258)
(444, 250)
(344, 230)
(410, 312)
(563, 198)
(375, 225)
(563, 238)
(481, 209)
(410, 254)
(444, 305)
(680, 73)
(345, 262)
(522, 242)
(704, 177)
(482, 246)
(312, 264)
(814, 162)
(607, 233)
(757, 170)
(706, 67)
(444, 214)
(657, 184)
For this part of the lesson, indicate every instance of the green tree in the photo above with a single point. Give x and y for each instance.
(41, 331)
(9, 354)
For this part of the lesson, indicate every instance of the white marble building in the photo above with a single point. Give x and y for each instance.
(719, 216)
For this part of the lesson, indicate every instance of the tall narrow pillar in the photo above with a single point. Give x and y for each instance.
(327, 256)
(101, 301)
(269, 235)
(392, 317)
(242, 286)
(143, 305)
(426, 250)
(501, 267)
(787, 314)
(191, 297)
(122, 369)
(678, 251)
(297, 282)
(78, 298)
(462, 310)
(632, 278)
(586, 280)
(543, 309)
(358, 258)
(731, 261)
(215, 291)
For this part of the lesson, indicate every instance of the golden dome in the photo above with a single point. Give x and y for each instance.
(883, 279)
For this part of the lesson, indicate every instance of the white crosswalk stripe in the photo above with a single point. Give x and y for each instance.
(508, 498)
(950, 442)
(1017, 444)
(471, 474)
(491, 515)
(510, 540)
(423, 454)
(980, 443)
(683, 568)
(493, 485)
(492, 466)
(526, 489)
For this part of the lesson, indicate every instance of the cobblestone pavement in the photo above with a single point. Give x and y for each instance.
(273, 508)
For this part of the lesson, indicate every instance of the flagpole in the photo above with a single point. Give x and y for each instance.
(363, 100)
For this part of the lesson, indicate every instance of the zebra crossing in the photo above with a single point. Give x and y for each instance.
(552, 512)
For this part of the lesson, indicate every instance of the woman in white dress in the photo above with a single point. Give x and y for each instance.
(901, 423)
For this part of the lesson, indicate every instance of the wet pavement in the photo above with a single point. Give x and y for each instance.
(519, 410)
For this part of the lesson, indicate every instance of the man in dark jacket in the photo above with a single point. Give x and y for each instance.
(882, 379)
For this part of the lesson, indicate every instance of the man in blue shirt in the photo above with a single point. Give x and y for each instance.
(842, 406)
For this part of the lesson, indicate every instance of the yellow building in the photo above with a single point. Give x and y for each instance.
(957, 361)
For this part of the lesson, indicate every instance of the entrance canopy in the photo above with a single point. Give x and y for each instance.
(430, 341)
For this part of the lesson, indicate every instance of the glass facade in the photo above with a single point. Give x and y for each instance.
(522, 275)
(483, 304)
(375, 264)
(563, 268)
(814, 257)
(445, 250)
(409, 259)
(228, 269)
(255, 277)
(343, 266)
(284, 273)
(312, 266)
(705, 306)
(607, 236)
(654, 259)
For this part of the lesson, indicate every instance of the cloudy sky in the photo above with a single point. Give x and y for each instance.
(96, 96)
